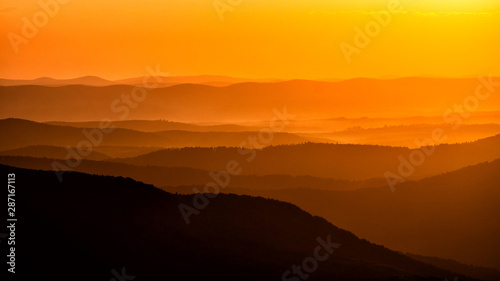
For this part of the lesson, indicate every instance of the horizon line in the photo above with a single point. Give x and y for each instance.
(381, 77)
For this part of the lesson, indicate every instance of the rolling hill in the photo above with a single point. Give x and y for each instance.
(161, 125)
(338, 161)
(407, 135)
(451, 216)
(178, 176)
(338, 124)
(98, 152)
(469, 270)
(24, 133)
(213, 80)
(130, 227)
(243, 101)
(47, 81)
(54, 152)
(327, 131)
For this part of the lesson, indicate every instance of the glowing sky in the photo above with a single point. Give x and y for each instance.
(254, 38)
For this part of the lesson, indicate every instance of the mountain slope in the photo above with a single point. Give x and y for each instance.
(473, 271)
(24, 133)
(178, 176)
(46, 151)
(138, 228)
(452, 216)
(338, 161)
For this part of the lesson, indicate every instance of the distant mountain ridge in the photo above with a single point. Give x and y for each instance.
(287, 154)
(245, 101)
(213, 80)
(28, 133)
(319, 131)
(47, 151)
(47, 81)
(338, 161)
(184, 178)
(160, 125)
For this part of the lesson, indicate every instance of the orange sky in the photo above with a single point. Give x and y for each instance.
(256, 39)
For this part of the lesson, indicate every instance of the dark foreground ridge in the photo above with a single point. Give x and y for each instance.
(92, 227)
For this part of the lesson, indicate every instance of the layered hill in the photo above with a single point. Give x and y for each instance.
(161, 125)
(183, 177)
(24, 133)
(54, 152)
(338, 124)
(119, 225)
(98, 152)
(339, 161)
(409, 135)
(352, 131)
(164, 81)
(47, 81)
(244, 101)
(469, 270)
(452, 216)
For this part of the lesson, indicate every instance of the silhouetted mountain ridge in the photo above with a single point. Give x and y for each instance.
(24, 133)
(54, 152)
(469, 270)
(160, 125)
(448, 216)
(339, 161)
(245, 101)
(130, 225)
(179, 176)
